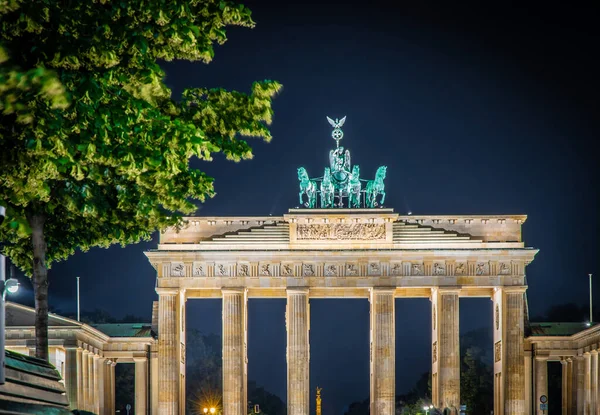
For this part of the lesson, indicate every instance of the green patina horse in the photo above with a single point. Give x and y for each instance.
(307, 187)
(327, 189)
(354, 188)
(376, 187)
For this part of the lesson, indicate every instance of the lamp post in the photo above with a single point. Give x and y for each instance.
(591, 315)
(427, 409)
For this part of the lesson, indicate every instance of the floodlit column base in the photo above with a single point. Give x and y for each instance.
(564, 401)
(168, 352)
(298, 357)
(71, 375)
(595, 408)
(513, 378)
(383, 352)
(141, 385)
(234, 352)
(541, 381)
(446, 349)
(99, 365)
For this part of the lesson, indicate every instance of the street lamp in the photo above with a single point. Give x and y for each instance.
(427, 409)
(213, 410)
(205, 410)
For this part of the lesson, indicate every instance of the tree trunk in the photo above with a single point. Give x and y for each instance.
(40, 285)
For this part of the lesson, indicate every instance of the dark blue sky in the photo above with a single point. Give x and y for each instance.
(474, 110)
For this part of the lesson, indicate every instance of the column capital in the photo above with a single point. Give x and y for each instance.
(386, 290)
(233, 290)
(298, 290)
(594, 351)
(513, 290)
(140, 359)
(167, 291)
(542, 358)
(85, 351)
(446, 290)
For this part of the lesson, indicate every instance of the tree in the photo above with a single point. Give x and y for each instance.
(93, 148)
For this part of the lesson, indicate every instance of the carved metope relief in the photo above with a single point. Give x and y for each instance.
(331, 270)
(199, 270)
(357, 231)
(497, 316)
(396, 268)
(504, 268)
(243, 270)
(351, 270)
(308, 270)
(287, 270)
(498, 351)
(177, 269)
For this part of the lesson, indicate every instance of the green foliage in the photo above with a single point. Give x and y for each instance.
(93, 149)
(90, 137)
(476, 374)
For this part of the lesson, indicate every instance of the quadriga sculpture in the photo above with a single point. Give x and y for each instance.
(376, 187)
(327, 190)
(354, 188)
(307, 187)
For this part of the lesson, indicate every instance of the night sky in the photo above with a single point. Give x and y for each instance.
(474, 110)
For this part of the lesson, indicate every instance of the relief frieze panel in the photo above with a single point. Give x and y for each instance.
(374, 268)
(439, 268)
(396, 268)
(177, 269)
(243, 270)
(352, 270)
(199, 269)
(287, 269)
(494, 271)
(341, 232)
(416, 269)
(331, 270)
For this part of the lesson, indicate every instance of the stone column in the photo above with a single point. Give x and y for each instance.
(446, 348)
(154, 382)
(85, 386)
(595, 408)
(79, 378)
(72, 361)
(94, 384)
(514, 395)
(541, 380)
(168, 352)
(383, 351)
(235, 358)
(111, 386)
(587, 384)
(570, 386)
(141, 385)
(99, 370)
(564, 400)
(580, 384)
(298, 351)
(573, 387)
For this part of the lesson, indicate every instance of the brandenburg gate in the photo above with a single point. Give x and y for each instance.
(348, 246)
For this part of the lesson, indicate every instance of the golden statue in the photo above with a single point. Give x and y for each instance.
(319, 400)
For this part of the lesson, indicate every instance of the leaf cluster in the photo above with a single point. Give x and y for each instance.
(91, 138)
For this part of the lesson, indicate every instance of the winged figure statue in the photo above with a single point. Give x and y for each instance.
(337, 123)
